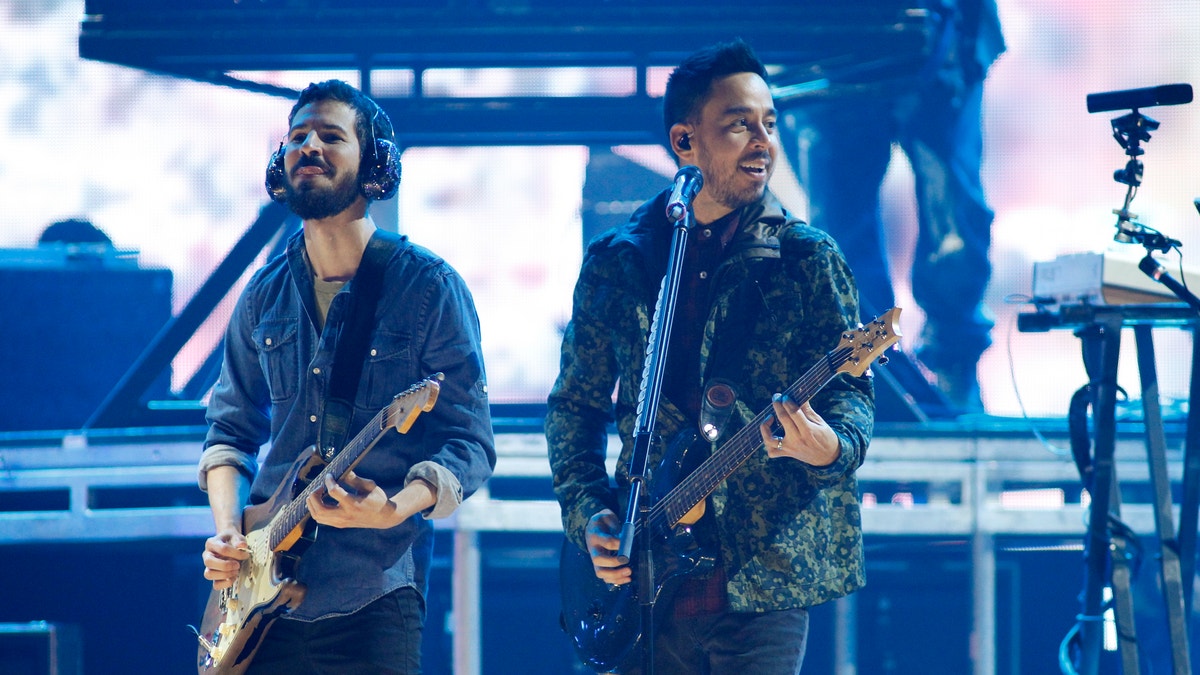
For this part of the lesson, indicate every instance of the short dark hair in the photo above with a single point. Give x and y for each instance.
(690, 82)
(74, 231)
(370, 122)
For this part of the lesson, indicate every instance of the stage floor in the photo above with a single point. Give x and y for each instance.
(974, 533)
(997, 475)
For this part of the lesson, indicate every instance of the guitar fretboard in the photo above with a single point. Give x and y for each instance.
(399, 415)
(297, 510)
(701, 482)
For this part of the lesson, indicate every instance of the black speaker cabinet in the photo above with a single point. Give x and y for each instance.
(72, 327)
(39, 648)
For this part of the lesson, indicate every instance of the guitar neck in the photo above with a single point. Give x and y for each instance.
(701, 482)
(296, 511)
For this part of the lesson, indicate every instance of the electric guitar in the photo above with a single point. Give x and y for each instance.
(277, 533)
(604, 621)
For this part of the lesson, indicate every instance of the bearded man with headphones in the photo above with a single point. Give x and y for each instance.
(323, 338)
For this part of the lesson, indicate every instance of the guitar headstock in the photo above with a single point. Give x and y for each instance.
(410, 403)
(861, 346)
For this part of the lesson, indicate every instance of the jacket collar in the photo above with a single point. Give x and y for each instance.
(758, 236)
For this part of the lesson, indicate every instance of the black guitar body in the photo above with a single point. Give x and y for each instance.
(605, 621)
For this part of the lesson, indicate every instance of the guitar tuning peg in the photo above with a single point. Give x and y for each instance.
(882, 359)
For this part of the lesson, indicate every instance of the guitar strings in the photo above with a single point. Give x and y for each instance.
(736, 450)
(296, 511)
(700, 482)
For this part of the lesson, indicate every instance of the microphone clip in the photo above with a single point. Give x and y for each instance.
(688, 182)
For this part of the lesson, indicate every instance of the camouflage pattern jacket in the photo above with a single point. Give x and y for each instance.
(790, 533)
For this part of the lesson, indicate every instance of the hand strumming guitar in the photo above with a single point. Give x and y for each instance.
(227, 491)
(222, 555)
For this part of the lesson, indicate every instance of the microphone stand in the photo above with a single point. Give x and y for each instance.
(1105, 551)
(1130, 131)
(653, 371)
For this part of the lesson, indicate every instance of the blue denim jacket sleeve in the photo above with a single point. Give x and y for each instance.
(460, 424)
(240, 403)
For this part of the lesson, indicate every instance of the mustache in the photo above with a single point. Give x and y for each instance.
(312, 161)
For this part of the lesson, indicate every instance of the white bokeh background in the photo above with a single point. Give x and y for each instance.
(173, 169)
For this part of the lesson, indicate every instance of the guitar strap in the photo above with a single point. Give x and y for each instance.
(727, 360)
(352, 337)
(726, 365)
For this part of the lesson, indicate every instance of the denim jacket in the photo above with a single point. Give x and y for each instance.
(271, 391)
(789, 533)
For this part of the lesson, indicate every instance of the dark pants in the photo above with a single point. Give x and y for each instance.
(383, 638)
(842, 154)
(770, 643)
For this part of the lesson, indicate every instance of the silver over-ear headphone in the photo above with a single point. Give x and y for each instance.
(378, 171)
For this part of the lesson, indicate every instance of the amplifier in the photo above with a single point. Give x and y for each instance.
(72, 327)
(39, 648)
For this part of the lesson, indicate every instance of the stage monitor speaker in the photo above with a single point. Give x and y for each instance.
(39, 648)
(73, 327)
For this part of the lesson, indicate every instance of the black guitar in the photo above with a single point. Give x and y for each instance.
(604, 621)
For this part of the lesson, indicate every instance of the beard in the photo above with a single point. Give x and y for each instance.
(314, 203)
(735, 198)
(726, 187)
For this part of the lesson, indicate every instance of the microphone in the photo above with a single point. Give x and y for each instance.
(1157, 272)
(688, 182)
(1152, 268)
(1166, 94)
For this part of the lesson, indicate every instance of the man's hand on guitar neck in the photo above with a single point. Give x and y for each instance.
(360, 502)
(603, 540)
(805, 435)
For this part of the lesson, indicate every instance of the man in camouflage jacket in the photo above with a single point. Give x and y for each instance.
(788, 530)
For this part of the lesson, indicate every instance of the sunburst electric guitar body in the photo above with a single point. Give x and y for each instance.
(277, 533)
